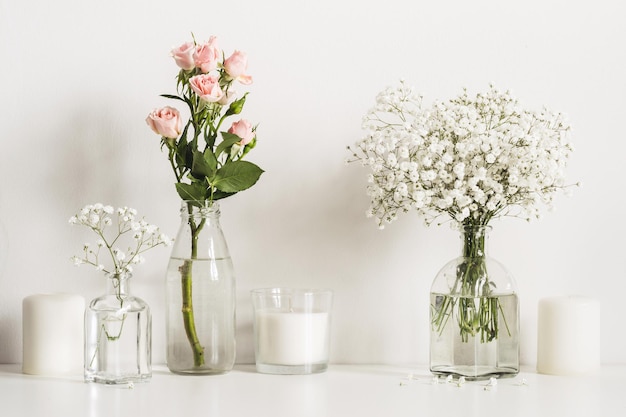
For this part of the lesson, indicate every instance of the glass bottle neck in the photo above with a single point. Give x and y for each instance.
(118, 284)
(200, 233)
(200, 210)
(474, 241)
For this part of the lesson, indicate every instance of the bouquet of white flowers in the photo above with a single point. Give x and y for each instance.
(100, 219)
(471, 158)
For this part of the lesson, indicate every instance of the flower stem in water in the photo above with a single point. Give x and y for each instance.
(188, 316)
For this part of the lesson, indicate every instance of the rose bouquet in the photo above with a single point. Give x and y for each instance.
(208, 162)
(207, 158)
(467, 159)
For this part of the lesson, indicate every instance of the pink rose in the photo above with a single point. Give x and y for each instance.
(207, 87)
(236, 66)
(243, 129)
(183, 55)
(165, 122)
(207, 55)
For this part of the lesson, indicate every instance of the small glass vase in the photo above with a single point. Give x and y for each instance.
(200, 301)
(118, 335)
(474, 314)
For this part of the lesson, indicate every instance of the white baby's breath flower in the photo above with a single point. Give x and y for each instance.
(94, 219)
(97, 217)
(494, 154)
(119, 255)
(164, 239)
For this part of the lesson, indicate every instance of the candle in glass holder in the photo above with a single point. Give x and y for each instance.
(568, 335)
(52, 334)
(292, 330)
(292, 338)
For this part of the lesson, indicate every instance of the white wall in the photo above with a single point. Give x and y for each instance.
(78, 78)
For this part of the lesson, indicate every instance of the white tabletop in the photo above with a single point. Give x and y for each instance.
(344, 390)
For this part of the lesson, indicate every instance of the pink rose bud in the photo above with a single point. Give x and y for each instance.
(228, 96)
(243, 129)
(236, 66)
(183, 55)
(207, 55)
(207, 87)
(165, 122)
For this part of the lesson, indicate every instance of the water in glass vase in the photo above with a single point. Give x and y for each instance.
(118, 340)
(474, 337)
(203, 343)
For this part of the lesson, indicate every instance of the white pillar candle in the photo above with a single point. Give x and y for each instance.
(52, 328)
(568, 335)
(291, 338)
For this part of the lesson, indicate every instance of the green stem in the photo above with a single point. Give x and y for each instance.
(188, 316)
(103, 330)
(171, 157)
(471, 296)
(187, 292)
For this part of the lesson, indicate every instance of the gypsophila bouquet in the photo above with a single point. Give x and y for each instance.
(470, 158)
(112, 227)
(207, 159)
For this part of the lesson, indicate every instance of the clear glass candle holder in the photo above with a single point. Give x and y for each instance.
(291, 330)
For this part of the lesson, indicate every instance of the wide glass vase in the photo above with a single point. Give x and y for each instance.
(118, 335)
(474, 314)
(200, 299)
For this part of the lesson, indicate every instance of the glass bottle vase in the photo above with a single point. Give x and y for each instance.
(118, 335)
(200, 301)
(474, 314)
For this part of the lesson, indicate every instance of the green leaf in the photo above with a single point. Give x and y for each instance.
(237, 176)
(201, 167)
(173, 97)
(183, 98)
(218, 195)
(181, 151)
(211, 160)
(228, 140)
(194, 191)
(209, 138)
